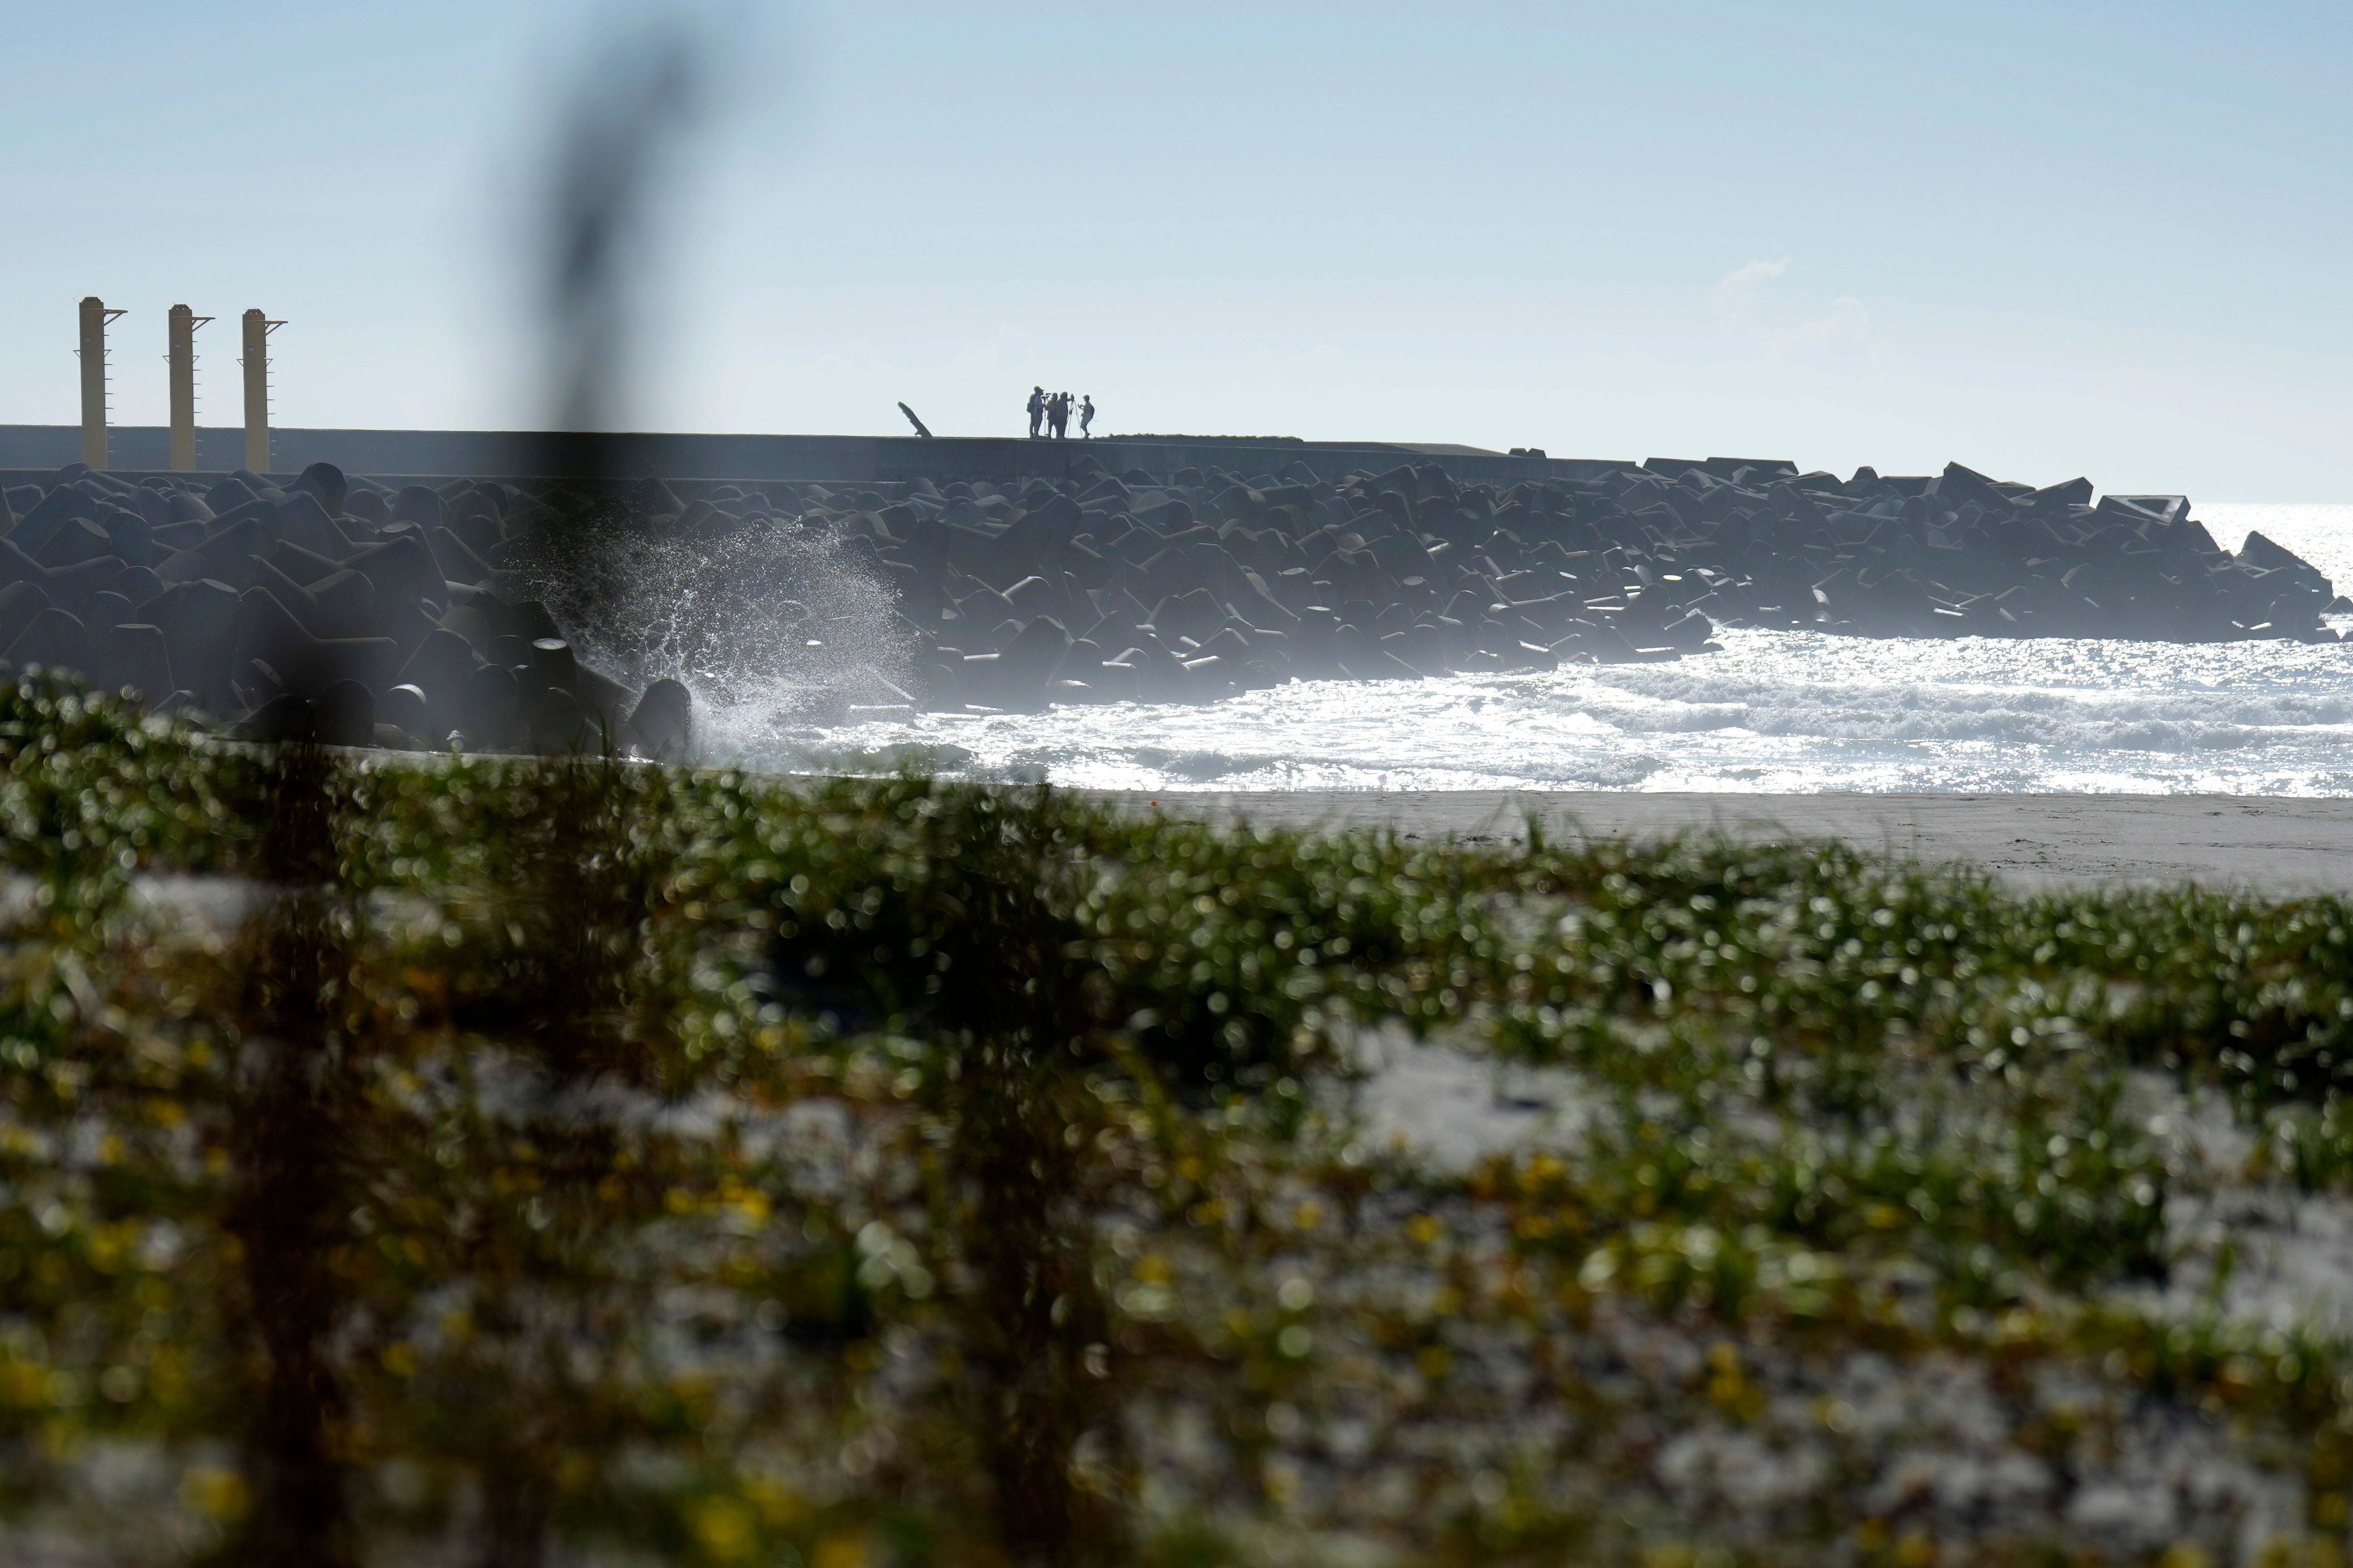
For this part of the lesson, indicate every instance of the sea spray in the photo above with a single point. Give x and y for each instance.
(776, 630)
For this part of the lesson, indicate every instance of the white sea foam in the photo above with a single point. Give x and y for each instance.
(1774, 711)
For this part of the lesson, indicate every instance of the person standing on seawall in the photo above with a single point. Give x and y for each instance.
(1087, 417)
(1057, 415)
(1037, 409)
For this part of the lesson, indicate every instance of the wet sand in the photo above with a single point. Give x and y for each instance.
(2270, 845)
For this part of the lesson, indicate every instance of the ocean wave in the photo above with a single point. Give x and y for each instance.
(1773, 712)
(1204, 766)
(1915, 711)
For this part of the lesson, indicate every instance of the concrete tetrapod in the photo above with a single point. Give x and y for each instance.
(662, 723)
(344, 715)
(54, 639)
(304, 663)
(133, 656)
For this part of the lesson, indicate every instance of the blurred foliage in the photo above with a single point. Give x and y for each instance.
(575, 1155)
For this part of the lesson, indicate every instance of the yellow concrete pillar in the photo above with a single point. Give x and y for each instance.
(257, 327)
(182, 358)
(94, 318)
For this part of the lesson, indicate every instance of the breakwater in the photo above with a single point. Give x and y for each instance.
(406, 613)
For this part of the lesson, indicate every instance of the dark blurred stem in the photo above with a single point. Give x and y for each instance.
(518, 1504)
(1038, 1310)
(588, 893)
(1031, 1243)
(288, 1214)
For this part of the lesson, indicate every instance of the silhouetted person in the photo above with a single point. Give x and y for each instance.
(1058, 415)
(1087, 416)
(1037, 409)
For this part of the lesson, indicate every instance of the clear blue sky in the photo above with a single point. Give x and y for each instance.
(2042, 240)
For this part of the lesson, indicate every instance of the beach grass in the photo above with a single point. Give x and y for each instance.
(564, 1159)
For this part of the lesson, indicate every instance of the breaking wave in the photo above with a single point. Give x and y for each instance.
(1774, 711)
(784, 639)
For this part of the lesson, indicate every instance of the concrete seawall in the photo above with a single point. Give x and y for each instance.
(500, 453)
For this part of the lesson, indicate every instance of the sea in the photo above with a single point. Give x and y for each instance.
(1776, 711)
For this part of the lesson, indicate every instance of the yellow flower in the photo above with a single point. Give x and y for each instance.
(779, 1505)
(214, 1492)
(723, 1527)
(840, 1552)
(24, 1384)
(1281, 1481)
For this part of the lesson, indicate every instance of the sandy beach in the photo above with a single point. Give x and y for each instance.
(2271, 846)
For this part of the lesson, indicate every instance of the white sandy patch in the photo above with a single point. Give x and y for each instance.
(1448, 1105)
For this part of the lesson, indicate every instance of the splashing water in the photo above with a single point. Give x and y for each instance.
(1777, 710)
(778, 632)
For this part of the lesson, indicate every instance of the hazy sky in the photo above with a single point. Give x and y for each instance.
(2042, 240)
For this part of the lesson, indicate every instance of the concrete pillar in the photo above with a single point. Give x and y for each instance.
(257, 327)
(182, 358)
(94, 318)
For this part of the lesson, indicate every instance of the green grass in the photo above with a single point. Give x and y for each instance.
(582, 1156)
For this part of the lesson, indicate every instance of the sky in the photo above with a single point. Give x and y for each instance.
(2042, 240)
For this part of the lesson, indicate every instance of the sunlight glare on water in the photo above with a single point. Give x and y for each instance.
(1774, 711)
